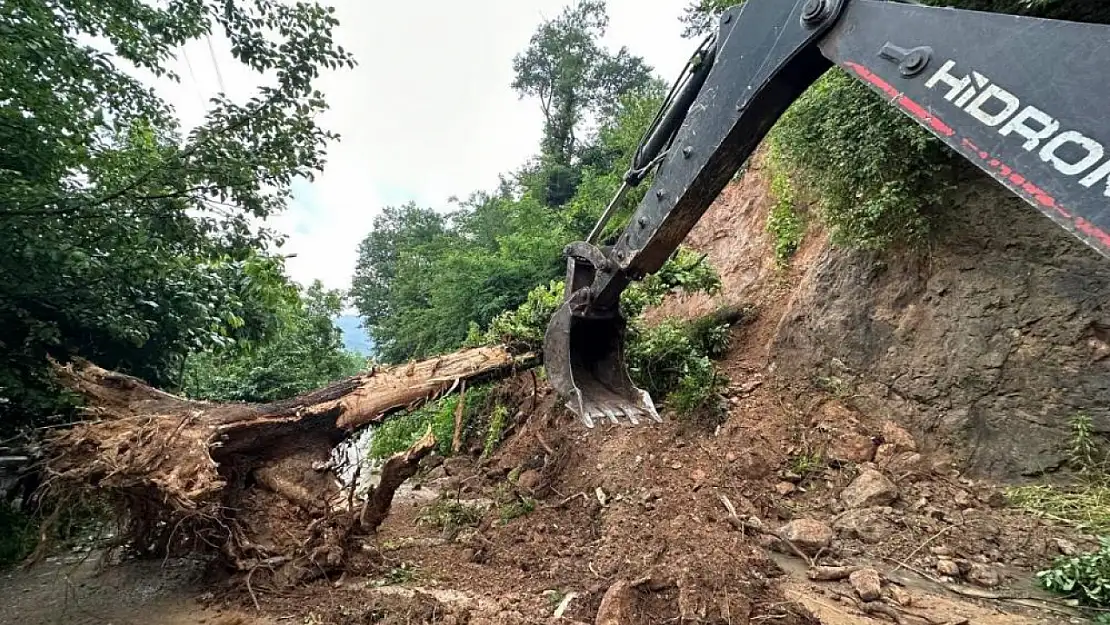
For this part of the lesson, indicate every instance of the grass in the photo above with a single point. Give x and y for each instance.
(450, 515)
(1085, 506)
(1083, 578)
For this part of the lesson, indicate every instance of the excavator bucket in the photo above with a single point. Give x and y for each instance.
(585, 362)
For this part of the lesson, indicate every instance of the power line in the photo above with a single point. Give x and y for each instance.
(215, 64)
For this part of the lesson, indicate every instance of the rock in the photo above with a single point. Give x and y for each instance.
(618, 606)
(529, 480)
(906, 462)
(901, 597)
(698, 476)
(983, 575)
(962, 498)
(871, 488)
(867, 584)
(948, 567)
(941, 550)
(994, 498)
(866, 524)
(730, 457)
(1066, 547)
(896, 435)
(457, 465)
(807, 534)
(852, 448)
(785, 488)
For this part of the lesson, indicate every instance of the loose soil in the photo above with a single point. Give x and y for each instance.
(632, 524)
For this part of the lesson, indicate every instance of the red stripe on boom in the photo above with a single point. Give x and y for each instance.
(1004, 173)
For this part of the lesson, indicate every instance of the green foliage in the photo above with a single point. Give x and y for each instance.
(399, 432)
(450, 515)
(18, 536)
(497, 422)
(511, 504)
(783, 223)
(123, 239)
(573, 76)
(304, 351)
(877, 174)
(524, 326)
(423, 279)
(684, 271)
(699, 393)
(1084, 578)
(1084, 504)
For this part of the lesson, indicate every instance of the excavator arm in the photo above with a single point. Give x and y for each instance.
(1022, 98)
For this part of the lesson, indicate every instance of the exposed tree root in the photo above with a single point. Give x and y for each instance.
(250, 483)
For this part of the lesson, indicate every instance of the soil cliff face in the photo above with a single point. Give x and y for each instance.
(989, 342)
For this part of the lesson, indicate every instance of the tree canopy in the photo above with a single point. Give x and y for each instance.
(123, 238)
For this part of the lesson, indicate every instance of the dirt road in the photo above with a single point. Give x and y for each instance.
(70, 590)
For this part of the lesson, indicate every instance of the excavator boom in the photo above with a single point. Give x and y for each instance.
(1020, 97)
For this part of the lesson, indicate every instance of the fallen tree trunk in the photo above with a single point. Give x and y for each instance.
(253, 482)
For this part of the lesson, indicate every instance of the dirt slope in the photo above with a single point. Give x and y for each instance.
(989, 342)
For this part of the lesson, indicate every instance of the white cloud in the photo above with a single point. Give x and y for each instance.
(428, 112)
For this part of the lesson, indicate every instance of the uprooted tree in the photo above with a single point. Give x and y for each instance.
(251, 483)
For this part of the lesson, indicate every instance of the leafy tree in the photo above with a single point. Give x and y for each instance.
(305, 351)
(424, 278)
(574, 78)
(701, 16)
(123, 239)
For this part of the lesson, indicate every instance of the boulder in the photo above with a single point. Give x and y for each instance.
(867, 583)
(852, 448)
(983, 575)
(870, 488)
(807, 534)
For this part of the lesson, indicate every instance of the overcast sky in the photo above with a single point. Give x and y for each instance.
(428, 112)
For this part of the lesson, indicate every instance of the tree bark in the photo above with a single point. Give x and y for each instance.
(255, 480)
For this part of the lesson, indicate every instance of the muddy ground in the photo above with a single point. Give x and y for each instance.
(822, 461)
(561, 516)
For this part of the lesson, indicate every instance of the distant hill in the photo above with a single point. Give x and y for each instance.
(354, 337)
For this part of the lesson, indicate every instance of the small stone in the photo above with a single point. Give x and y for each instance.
(941, 550)
(1066, 547)
(529, 480)
(906, 462)
(457, 465)
(896, 435)
(867, 524)
(994, 499)
(698, 476)
(730, 457)
(962, 498)
(948, 567)
(852, 448)
(618, 605)
(867, 584)
(785, 488)
(808, 535)
(901, 597)
(676, 466)
(983, 575)
(871, 488)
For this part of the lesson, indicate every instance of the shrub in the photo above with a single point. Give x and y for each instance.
(876, 172)
(783, 223)
(18, 535)
(1084, 578)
